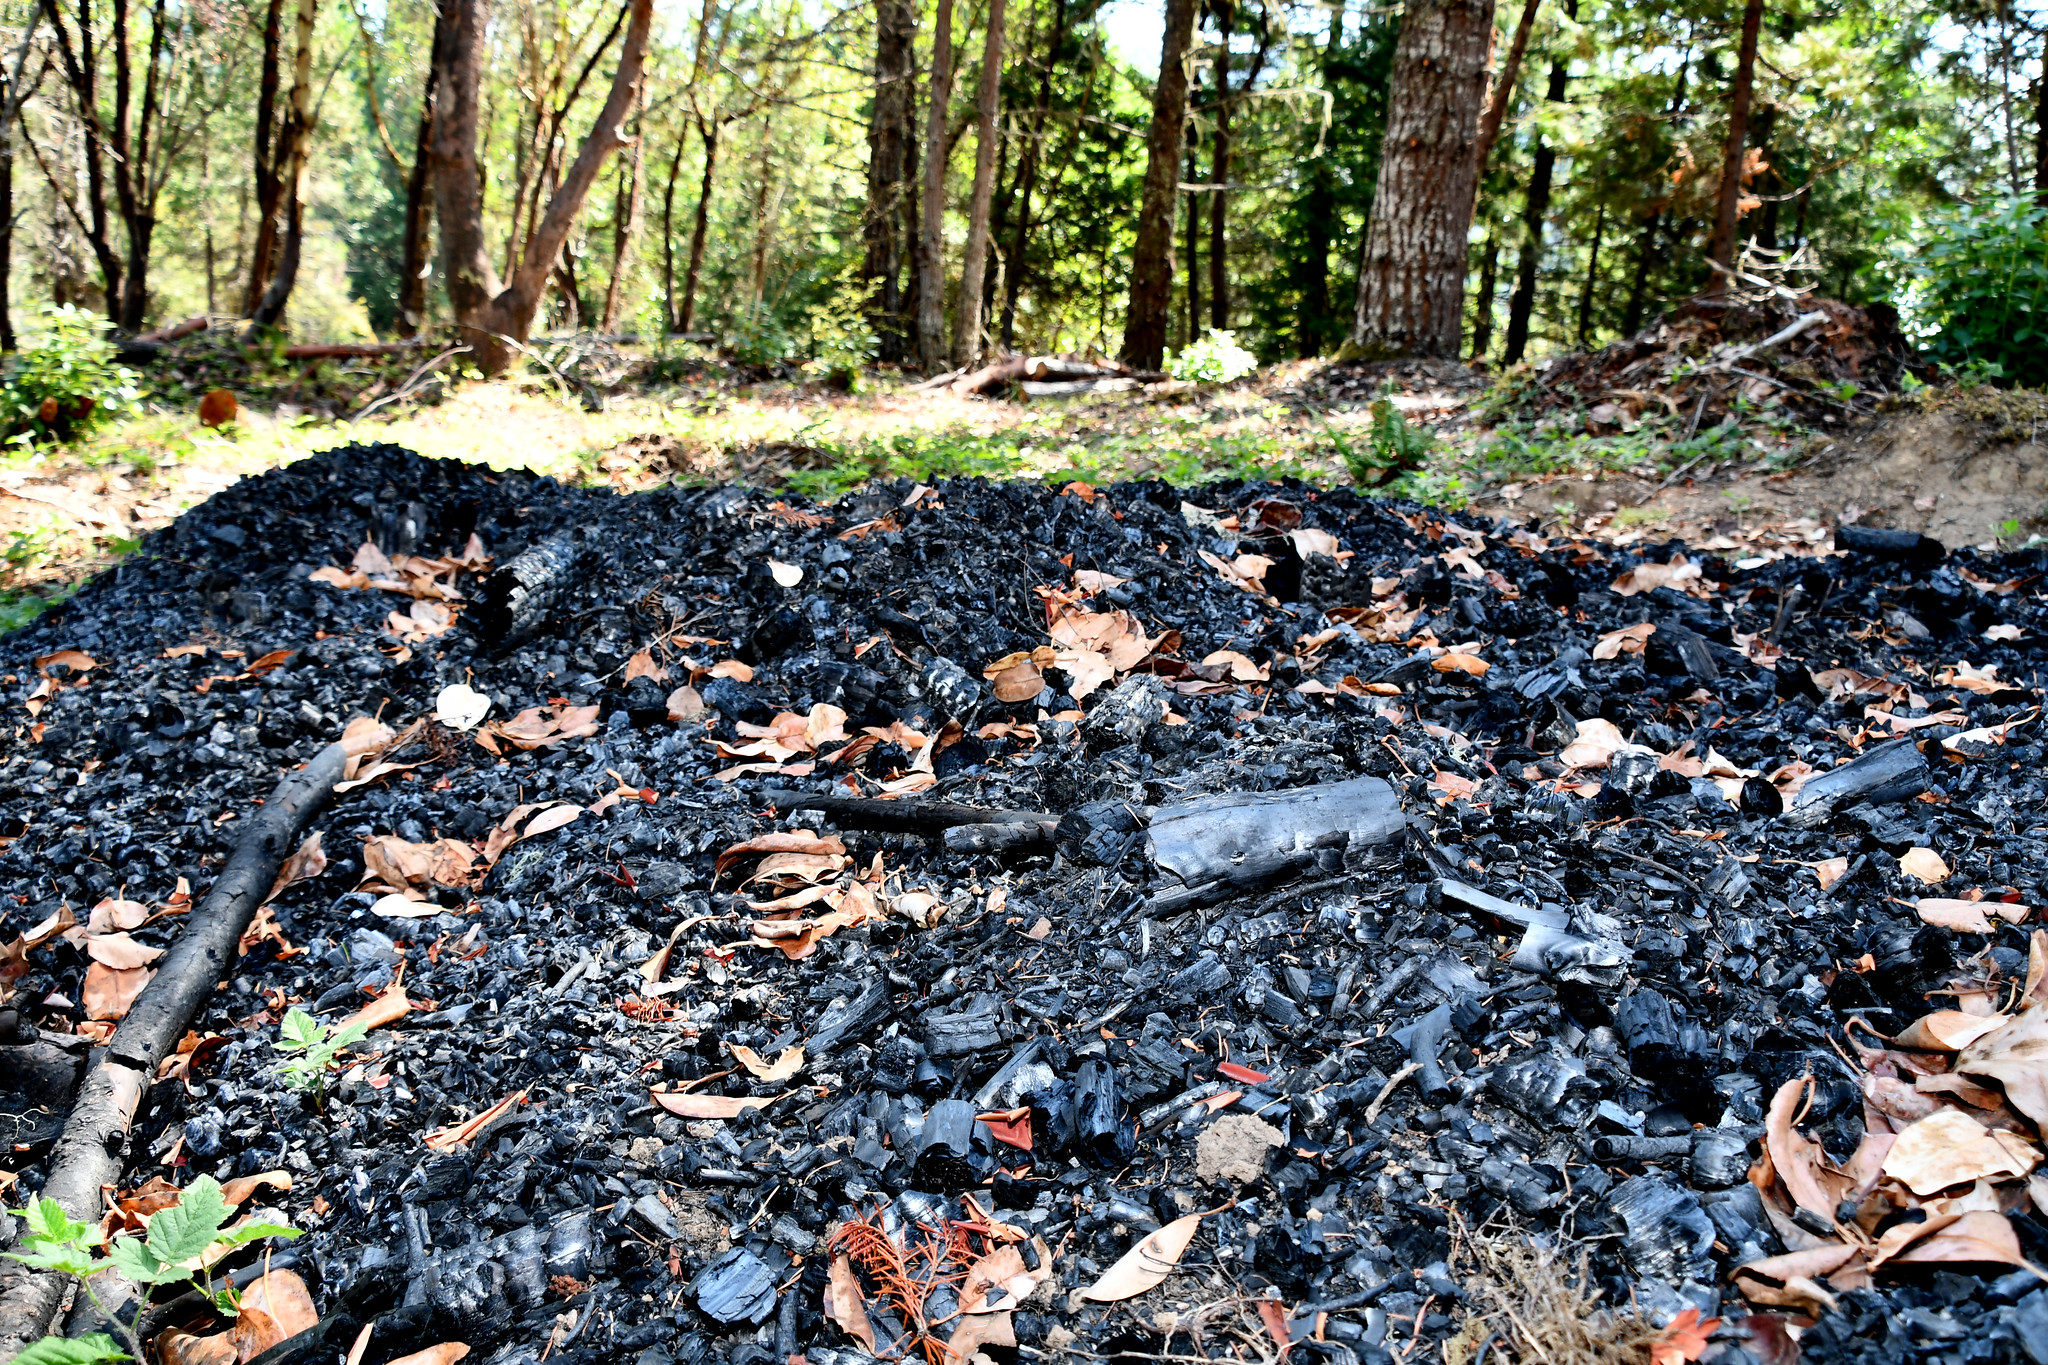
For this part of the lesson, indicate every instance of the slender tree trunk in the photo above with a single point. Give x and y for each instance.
(1503, 90)
(1411, 282)
(2040, 138)
(1721, 247)
(419, 214)
(1219, 164)
(1316, 322)
(7, 240)
(1592, 275)
(1535, 212)
(974, 257)
(1194, 290)
(269, 189)
(889, 136)
(701, 228)
(1639, 286)
(668, 235)
(299, 141)
(931, 256)
(627, 208)
(1482, 306)
(486, 309)
(1152, 256)
(764, 180)
(1027, 176)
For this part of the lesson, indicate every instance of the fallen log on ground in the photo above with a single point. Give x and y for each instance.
(1217, 846)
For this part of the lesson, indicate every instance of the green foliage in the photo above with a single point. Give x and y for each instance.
(313, 1048)
(63, 381)
(1391, 443)
(91, 1349)
(757, 338)
(1983, 286)
(842, 340)
(1215, 359)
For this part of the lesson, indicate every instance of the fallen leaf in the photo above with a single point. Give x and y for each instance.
(447, 1353)
(786, 575)
(1684, 1338)
(77, 660)
(1680, 574)
(1980, 1237)
(999, 1282)
(183, 1348)
(685, 703)
(399, 906)
(109, 994)
(1015, 678)
(1628, 640)
(1241, 668)
(550, 820)
(1273, 1314)
(1594, 744)
(275, 1308)
(734, 669)
(1011, 1127)
(1948, 1030)
(710, 1106)
(307, 861)
(1925, 864)
(388, 1008)
(844, 1304)
(1948, 1147)
(461, 707)
(1807, 1279)
(1237, 1072)
(120, 952)
(1147, 1264)
(1454, 662)
(780, 841)
(238, 1190)
(1830, 870)
(781, 1069)
(1967, 917)
(976, 1330)
(459, 1135)
(1815, 1183)
(2016, 1055)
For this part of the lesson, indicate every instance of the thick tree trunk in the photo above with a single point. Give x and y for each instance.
(1535, 211)
(889, 138)
(1482, 306)
(1721, 247)
(1503, 91)
(700, 229)
(299, 142)
(1145, 322)
(1411, 283)
(931, 252)
(269, 186)
(1592, 275)
(486, 309)
(627, 208)
(419, 217)
(1219, 173)
(974, 257)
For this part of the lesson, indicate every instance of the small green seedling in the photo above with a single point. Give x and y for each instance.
(314, 1049)
(180, 1234)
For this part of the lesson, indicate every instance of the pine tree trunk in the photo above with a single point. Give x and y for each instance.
(7, 238)
(764, 180)
(1027, 176)
(668, 235)
(1152, 256)
(1319, 213)
(931, 254)
(1194, 289)
(1482, 305)
(2040, 139)
(298, 147)
(1411, 282)
(1721, 248)
(419, 218)
(627, 209)
(1592, 275)
(974, 258)
(889, 135)
(269, 188)
(1639, 287)
(1535, 212)
(700, 229)
(1219, 162)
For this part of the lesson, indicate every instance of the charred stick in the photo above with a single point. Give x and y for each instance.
(917, 817)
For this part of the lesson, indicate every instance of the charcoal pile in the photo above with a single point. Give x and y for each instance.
(1819, 361)
(1122, 923)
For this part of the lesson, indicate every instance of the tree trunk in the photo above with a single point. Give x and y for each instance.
(81, 67)
(889, 135)
(1145, 322)
(1535, 210)
(486, 309)
(6, 236)
(668, 235)
(1721, 247)
(931, 255)
(1027, 176)
(1319, 212)
(764, 179)
(299, 142)
(2041, 138)
(1194, 290)
(1411, 283)
(269, 188)
(1503, 90)
(419, 217)
(1592, 275)
(1639, 287)
(627, 208)
(700, 229)
(1766, 181)
(1219, 173)
(1482, 306)
(974, 257)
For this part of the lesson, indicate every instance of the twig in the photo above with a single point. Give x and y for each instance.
(1372, 1111)
(411, 384)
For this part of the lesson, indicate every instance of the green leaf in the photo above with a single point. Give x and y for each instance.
(133, 1258)
(85, 1350)
(47, 1222)
(189, 1226)
(299, 1030)
(252, 1232)
(63, 1257)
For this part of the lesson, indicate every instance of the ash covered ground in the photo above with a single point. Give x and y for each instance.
(1687, 917)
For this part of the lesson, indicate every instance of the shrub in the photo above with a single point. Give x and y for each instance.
(841, 339)
(757, 339)
(63, 381)
(1215, 359)
(1983, 287)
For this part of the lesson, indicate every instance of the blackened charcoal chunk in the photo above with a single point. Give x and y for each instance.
(1100, 1129)
(971, 1030)
(853, 688)
(1126, 715)
(664, 881)
(1668, 1053)
(1552, 680)
(737, 1287)
(1720, 1157)
(1549, 1088)
(1675, 650)
(1204, 978)
(1521, 1184)
(1666, 1235)
(951, 689)
(1907, 546)
(646, 703)
(777, 632)
(1094, 835)
(896, 1064)
(1890, 772)
(946, 1147)
(444, 1177)
(736, 701)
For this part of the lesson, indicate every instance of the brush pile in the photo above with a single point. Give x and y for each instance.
(993, 920)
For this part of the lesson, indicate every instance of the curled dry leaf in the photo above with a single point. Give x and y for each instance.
(1949, 1030)
(1454, 662)
(1807, 1279)
(1015, 678)
(1815, 1183)
(710, 1106)
(1594, 744)
(274, 1309)
(1979, 1237)
(977, 1330)
(1680, 574)
(183, 1348)
(1146, 1264)
(685, 703)
(388, 1008)
(460, 1135)
(1924, 864)
(999, 1281)
(1242, 669)
(447, 1353)
(1968, 917)
(781, 1069)
(109, 994)
(397, 905)
(1948, 1147)
(461, 707)
(1628, 640)
(781, 841)
(120, 951)
(238, 1190)
(2015, 1054)
(845, 1305)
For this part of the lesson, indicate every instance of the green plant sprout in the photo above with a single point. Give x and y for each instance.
(313, 1050)
(177, 1236)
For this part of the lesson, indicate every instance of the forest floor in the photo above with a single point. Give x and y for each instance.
(1965, 466)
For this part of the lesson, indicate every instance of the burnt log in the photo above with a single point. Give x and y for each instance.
(1214, 847)
(1890, 772)
(520, 596)
(912, 817)
(1907, 546)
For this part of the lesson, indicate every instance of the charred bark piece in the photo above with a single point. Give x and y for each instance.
(1425, 1040)
(519, 597)
(1095, 835)
(1215, 847)
(849, 1020)
(1908, 546)
(1550, 1088)
(1665, 1235)
(1676, 649)
(1890, 772)
(916, 817)
(973, 1029)
(1004, 837)
(1567, 946)
(1627, 1147)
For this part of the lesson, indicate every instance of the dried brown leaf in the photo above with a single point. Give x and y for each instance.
(1146, 1264)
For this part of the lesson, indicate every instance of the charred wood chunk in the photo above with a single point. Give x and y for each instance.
(737, 1287)
(1907, 546)
(1095, 835)
(1666, 1236)
(1217, 846)
(973, 1029)
(1677, 650)
(1890, 772)
(849, 1019)
(518, 598)
(998, 838)
(1551, 1088)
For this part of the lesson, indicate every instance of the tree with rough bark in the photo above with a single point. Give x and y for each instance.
(15, 88)
(892, 144)
(1535, 217)
(298, 143)
(628, 207)
(495, 315)
(967, 338)
(1151, 290)
(1411, 281)
(931, 238)
(419, 213)
(1728, 205)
